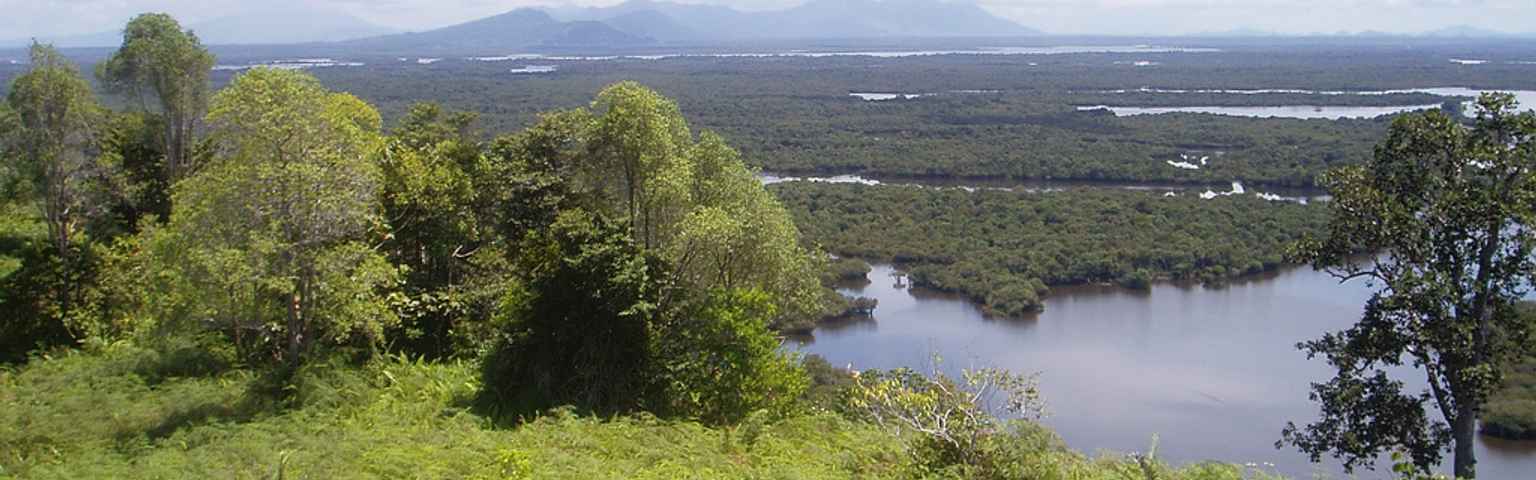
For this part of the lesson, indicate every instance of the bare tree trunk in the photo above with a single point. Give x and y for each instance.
(1464, 432)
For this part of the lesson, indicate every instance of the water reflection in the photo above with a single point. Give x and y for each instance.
(1213, 371)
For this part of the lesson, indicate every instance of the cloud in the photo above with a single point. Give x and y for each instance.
(67, 17)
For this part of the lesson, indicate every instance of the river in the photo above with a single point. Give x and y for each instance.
(1213, 372)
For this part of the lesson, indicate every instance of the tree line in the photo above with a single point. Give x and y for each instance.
(1005, 249)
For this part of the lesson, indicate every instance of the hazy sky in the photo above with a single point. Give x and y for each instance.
(22, 18)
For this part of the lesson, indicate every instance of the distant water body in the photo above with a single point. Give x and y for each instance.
(1526, 98)
(1302, 196)
(1213, 372)
(1055, 50)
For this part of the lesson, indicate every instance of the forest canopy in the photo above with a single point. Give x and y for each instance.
(1005, 249)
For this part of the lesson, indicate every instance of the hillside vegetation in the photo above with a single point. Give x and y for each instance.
(125, 413)
(262, 282)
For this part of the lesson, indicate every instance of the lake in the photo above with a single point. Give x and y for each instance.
(1212, 371)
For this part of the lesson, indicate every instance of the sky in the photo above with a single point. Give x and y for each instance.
(48, 18)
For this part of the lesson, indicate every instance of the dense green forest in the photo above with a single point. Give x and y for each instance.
(993, 115)
(262, 281)
(790, 117)
(272, 273)
(1005, 249)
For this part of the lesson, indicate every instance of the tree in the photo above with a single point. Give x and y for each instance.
(637, 157)
(158, 58)
(285, 219)
(579, 331)
(132, 151)
(430, 168)
(1449, 210)
(53, 149)
(694, 202)
(719, 362)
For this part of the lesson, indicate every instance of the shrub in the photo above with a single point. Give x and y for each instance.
(951, 421)
(578, 332)
(719, 362)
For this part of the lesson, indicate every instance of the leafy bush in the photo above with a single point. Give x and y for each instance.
(719, 362)
(579, 331)
(951, 421)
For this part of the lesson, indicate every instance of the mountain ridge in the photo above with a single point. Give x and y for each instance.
(816, 19)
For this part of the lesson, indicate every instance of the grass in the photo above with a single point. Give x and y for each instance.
(120, 414)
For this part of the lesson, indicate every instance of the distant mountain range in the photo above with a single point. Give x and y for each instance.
(647, 22)
(812, 19)
(249, 29)
(518, 28)
(650, 22)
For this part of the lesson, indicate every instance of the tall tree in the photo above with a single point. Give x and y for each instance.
(282, 217)
(694, 202)
(638, 156)
(160, 60)
(1449, 211)
(54, 147)
(429, 166)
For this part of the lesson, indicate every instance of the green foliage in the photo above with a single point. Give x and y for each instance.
(1450, 209)
(53, 144)
(281, 221)
(448, 252)
(37, 299)
(951, 421)
(829, 387)
(160, 60)
(982, 116)
(579, 330)
(93, 175)
(1004, 248)
(695, 203)
(719, 362)
(134, 152)
(120, 414)
(847, 269)
(598, 325)
(1511, 410)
